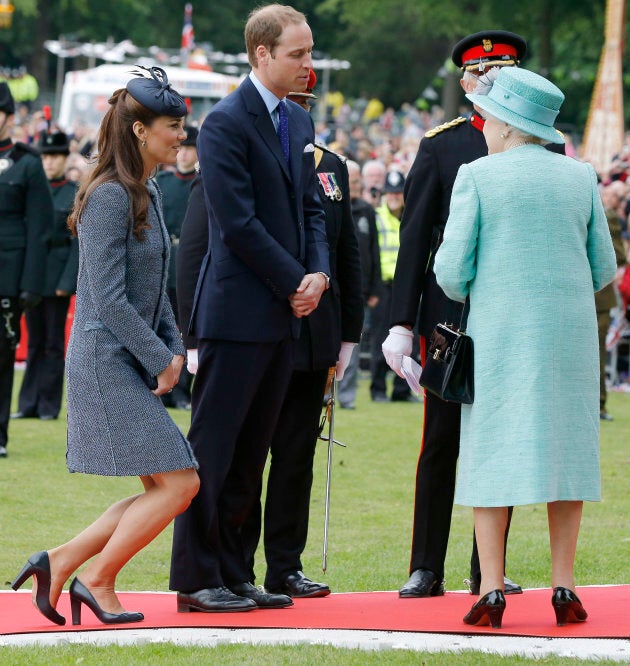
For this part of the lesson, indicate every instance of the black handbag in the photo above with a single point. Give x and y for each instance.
(448, 370)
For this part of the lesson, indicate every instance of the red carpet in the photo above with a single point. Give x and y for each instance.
(528, 614)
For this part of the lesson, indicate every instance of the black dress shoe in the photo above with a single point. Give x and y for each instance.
(22, 415)
(212, 600)
(509, 586)
(79, 594)
(488, 610)
(298, 586)
(261, 598)
(422, 583)
(567, 606)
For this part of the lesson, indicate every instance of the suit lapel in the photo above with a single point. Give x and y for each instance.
(263, 123)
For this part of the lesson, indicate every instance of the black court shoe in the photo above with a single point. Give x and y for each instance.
(38, 565)
(79, 594)
(488, 610)
(567, 606)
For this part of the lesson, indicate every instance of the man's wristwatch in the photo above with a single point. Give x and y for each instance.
(326, 277)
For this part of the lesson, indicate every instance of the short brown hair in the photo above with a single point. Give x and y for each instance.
(265, 25)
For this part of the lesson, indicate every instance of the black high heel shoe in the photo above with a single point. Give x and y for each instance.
(79, 594)
(489, 609)
(38, 565)
(567, 606)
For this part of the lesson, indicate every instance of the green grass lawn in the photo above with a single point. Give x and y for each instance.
(370, 525)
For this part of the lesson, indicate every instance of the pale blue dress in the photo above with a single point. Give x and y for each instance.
(528, 240)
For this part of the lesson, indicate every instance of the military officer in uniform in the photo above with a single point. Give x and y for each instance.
(26, 211)
(328, 337)
(42, 386)
(416, 296)
(175, 188)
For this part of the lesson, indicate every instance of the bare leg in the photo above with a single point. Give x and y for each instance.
(564, 526)
(67, 558)
(119, 533)
(490, 525)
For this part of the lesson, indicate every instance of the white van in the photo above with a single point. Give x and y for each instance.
(85, 92)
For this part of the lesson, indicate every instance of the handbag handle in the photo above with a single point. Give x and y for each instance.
(464, 318)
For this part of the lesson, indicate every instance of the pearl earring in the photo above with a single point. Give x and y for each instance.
(144, 144)
(502, 135)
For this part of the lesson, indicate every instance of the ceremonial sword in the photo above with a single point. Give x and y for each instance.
(329, 415)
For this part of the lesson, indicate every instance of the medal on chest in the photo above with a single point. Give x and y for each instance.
(331, 188)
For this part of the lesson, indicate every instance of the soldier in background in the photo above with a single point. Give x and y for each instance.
(42, 386)
(175, 188)
(26, 211)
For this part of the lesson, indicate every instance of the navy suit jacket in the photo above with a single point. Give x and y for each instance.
(266, 222)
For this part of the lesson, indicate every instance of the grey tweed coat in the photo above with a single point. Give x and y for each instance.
(123, 323)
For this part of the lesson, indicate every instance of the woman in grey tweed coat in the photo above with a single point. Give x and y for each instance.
(125, 351)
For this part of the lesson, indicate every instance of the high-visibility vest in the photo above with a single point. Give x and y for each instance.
(388, 226)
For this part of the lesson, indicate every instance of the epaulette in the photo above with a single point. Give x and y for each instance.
(321, 146)
(445, 126)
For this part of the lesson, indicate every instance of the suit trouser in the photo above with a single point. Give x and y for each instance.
(10, 313)
(290, 480)
(42, 387)
(435, 485)
(236, 400)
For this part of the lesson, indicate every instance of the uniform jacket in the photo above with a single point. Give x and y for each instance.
(63, 249)
(267, 227)
(26, 211)
(427, 198)
(339, 315)
(175, 188)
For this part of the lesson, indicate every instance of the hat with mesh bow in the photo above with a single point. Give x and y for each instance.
(152, 89)
(524, 100)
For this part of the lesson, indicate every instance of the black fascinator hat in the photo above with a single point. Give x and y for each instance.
(155, 92)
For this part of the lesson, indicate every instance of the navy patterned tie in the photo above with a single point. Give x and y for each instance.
(283, 129)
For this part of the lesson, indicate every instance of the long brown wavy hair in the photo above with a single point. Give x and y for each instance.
(118, 159)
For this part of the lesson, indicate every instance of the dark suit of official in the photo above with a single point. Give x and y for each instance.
(339, 317)
(42, 387)
(267, 230)
(26, 211)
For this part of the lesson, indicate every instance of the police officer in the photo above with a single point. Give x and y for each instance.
(416, 296)
(26, 211)
(175, 188)
(42, 386)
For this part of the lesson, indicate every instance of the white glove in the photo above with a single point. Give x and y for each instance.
(345, 353)
(192, 361)
(397, 344)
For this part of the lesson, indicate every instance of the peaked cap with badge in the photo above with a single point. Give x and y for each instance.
(489, 48)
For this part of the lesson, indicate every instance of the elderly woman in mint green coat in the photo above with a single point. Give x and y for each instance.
(527, 241)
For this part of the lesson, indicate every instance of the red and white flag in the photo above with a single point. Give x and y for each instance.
(188, 34)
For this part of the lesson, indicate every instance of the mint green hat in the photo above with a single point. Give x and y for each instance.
(524, 100)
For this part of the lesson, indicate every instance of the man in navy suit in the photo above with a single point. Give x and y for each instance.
(269, 269)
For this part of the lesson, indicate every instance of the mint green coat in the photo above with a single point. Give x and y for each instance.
(527, 240)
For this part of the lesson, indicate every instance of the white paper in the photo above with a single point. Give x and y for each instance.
(411, 372)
